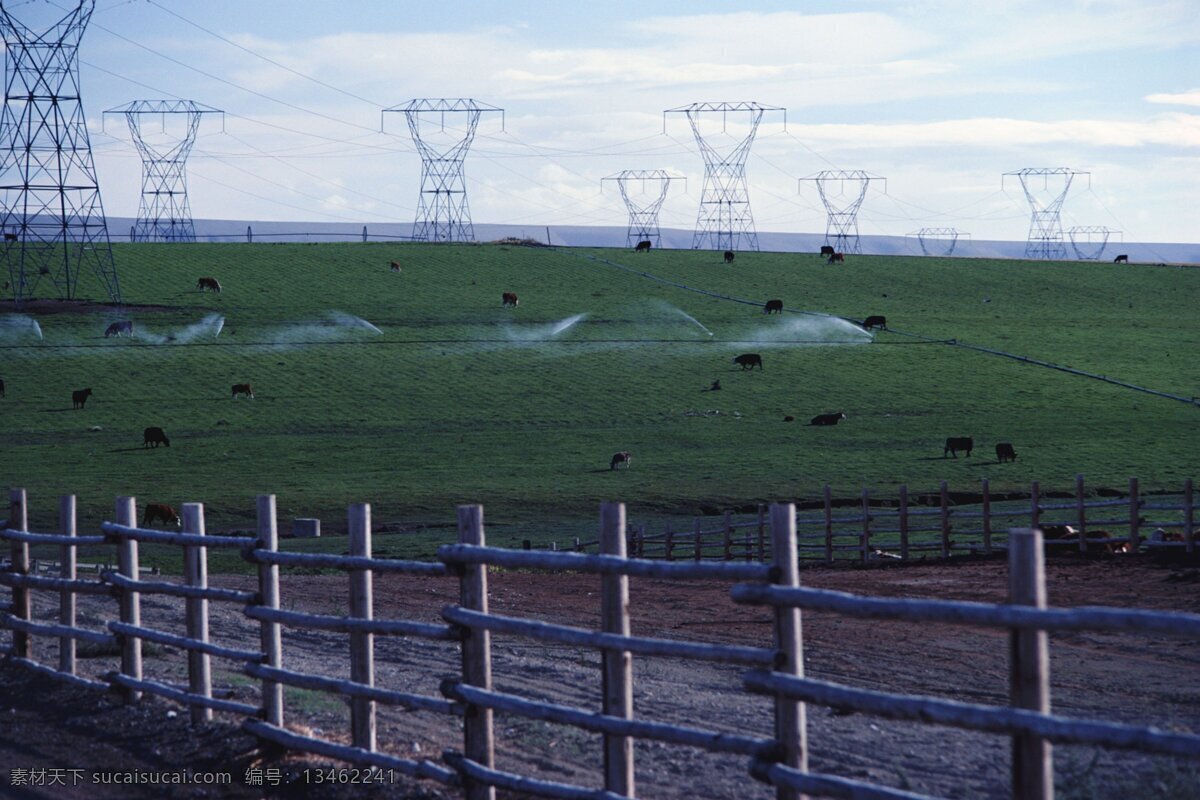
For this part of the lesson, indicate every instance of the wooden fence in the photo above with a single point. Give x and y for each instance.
(903, 529)
(780, 760)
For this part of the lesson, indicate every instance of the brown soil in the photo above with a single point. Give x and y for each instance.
(1125, 678)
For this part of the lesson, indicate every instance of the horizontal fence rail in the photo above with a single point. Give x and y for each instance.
(771, 545)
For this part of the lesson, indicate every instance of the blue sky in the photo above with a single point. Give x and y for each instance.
(939, 97)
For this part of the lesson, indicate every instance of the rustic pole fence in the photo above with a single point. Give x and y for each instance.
(478, 738)
(1135, 516)
(1081, 514)
(362, 643)
(131, 604)
(828, 497)
(985, 489)
(1032, 766)
(268, 588)
(617, 664)
(791, 727)
(22, 600)
(67, 571)
(945, 507)
(195, 563)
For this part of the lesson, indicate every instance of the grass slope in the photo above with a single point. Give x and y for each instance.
(460, 400)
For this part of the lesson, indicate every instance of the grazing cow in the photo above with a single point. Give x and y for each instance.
(1065, 539)
(79, 398)
(728, 256)
(623, 457)
(716, 387)
(956, 443)
(1, 388)
(875, 321)
(1121, 259)
(395, 266)
(509, 299)
(1005, 452)
(117, 328)
(10, 237)
(837, 258)
(773, 307)
(642, 247)
(159, 512)
(748, 361)
(828, 419)
(789, 418)
(154, 437)
(827, 250)
(242, 388)
(209, 285)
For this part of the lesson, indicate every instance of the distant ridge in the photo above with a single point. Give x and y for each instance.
(212, 230)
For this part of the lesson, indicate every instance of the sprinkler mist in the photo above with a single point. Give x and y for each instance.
(19, 326)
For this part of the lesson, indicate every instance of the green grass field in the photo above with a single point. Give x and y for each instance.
(459, 400)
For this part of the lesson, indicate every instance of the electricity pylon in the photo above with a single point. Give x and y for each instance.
(643, 206)
(724, 221)
(1045, 225)
(1089, 241)
(938, 241)
(842, 193)
(163, 213)
(442, 213)
(53, 220)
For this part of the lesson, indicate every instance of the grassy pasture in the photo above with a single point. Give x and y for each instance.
(460, 400)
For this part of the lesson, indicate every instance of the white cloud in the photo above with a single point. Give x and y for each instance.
(1191, 98)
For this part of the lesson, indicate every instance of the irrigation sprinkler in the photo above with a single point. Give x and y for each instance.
(842, 193)
(644, 204)
(442, 213)
(163, 213)
(1045, 201)
(724, 221)
(53, 221)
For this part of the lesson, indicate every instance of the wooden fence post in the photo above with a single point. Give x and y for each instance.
(1035, 505)
(22, 600)
(1135, 516)
(268, 590)
(67, 570)
(362, 645)
(1032, 764)
(828, 525)
(987, 517)
(478, 742)
(195, 567)
(1080, 514)
(728, 535)
(697, 540)
(904, 522)
(131, 604)
(1189, 530)
(762, 533)
(945, 492)
(865, 544)
(618, 664)
(791, 730)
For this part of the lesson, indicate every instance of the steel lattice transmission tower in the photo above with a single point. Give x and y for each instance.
(1089, 241)
(53, 219)
(163, 213)
(938, 241)
(643, 206)
(724, 221)
(842, 193)
(443, 214)
(1045, 226)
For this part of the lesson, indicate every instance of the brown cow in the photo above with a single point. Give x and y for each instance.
(242, 388)
(510, 299)
(773, 307)
(395, 266)
(209, 284)
(837, 258)
(623, 457)
(1065, 539)
(79, 398)
(159, 512)
(117, 328)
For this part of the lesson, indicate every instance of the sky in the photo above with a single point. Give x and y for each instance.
(935, 99)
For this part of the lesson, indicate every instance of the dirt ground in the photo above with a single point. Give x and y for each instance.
(1116, 677)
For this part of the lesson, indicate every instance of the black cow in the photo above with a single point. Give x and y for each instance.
(124, 326)
(10, 237)
(749, 361)
(79, 398)
(827, 250)
(1, 388)
(642, 246)
(1121, 259)
(623, 457)
(154, 437)
(875, 321)
(1005, 452)
(773, 307)
(728, 256)
(956, 443)
(828, 419)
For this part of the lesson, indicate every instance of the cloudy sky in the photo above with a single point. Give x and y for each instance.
(937, 96)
